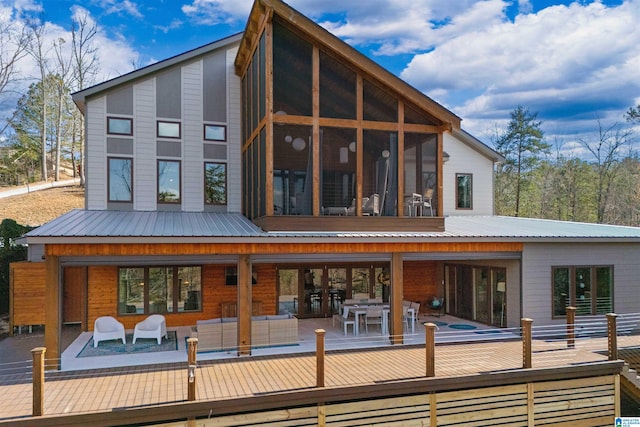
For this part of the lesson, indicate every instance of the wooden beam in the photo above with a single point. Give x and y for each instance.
(397, 292)
(52, 309)
(315, 102)
(244, 304)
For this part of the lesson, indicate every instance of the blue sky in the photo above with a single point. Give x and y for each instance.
(573, 63)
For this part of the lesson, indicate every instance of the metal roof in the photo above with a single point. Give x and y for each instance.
(79, 226)
(89, 223)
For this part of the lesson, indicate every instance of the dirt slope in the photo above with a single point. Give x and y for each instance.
(40, 207)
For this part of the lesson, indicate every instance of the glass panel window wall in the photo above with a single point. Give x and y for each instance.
(292, 170)
(120, 174)
(168, 181)
(420, 174)
(337, 89)
(379, 173)
(587, 288)
(338, 180)
(292, 73)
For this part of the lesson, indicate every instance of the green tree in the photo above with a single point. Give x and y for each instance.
(633, 114)
(522, 146)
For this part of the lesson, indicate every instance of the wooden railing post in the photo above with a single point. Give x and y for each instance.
(430, 348)
(526, 342)
(320, 333)
(612, 334)
(192, 351)
(571, 327)
(37, 355)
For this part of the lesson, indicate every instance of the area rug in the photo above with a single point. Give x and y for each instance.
(440, 323)
(142, 345)
(461, 326)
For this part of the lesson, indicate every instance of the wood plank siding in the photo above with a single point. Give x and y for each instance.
(26, 293)
(371, 246)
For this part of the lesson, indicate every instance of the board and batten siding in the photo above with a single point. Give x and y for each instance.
(144, 167)
(193, 166)
(538, 258)
(234, 143)
(96, 154)
(464, 159)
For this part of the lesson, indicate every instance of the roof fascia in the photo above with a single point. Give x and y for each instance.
(345, 52)
(80, 97)
(477, 145)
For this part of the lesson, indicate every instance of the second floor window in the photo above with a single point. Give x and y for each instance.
(119, 178)
(464, 191)
(168, 129)
(215, 183)
(168, 181)
(119, 126)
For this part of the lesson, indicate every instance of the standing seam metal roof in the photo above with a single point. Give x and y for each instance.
(154, 224)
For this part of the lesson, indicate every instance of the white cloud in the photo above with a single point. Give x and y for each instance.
(211, 12)
(126, 7)
(572, 62)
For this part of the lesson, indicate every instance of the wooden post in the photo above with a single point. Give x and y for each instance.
(612, 334)
(192, 350)
(526, 342)
(397, 292)
(53, 312)
(244, 304)
(320, 333)
(571, 327)
(37, 354)
(430, 350)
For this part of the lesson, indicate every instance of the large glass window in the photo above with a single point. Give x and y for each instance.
(574, 286)
(380, 173)
(120, 185)
(337, 89)
(378, 105)
(166, 289)
(338, 171)
(168, 181)
(292, 170)
(215, 183)
(420, 174)
(292, 74)
(464, 191)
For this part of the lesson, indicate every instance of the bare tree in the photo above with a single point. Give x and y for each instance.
(63, 70)
(606, 151)
(85, 67)
(37, 50)
(14, 42)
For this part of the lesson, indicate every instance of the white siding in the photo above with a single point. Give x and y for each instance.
(538, 259)
(234, 167)
(464, 159)
(192, 164)
(96, 154)
(144, 165)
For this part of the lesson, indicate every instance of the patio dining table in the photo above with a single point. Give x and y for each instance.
(361, 310)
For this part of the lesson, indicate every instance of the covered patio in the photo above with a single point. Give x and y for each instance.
(448, 329)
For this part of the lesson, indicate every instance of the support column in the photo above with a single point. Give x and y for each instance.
(52, 311)
(397, 294)
(244, 305)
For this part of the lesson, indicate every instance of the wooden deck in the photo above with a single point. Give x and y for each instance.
(143, 386)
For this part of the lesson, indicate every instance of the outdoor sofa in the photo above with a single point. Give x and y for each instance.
(266, 331)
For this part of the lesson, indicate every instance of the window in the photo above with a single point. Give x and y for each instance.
(120, 171)
(172, 289)
(215, 132)
(464, 191)
(588, 289)
(119, 126)
(215, 183)
(168, 129)
(168, 181)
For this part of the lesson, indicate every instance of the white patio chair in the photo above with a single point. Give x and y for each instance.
(153, 326)
(107, 328)
(373, 317)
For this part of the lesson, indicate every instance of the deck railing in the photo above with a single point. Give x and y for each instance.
(541, 347)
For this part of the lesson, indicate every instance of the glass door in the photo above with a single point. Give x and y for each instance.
(288, 291)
